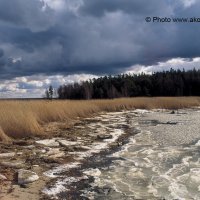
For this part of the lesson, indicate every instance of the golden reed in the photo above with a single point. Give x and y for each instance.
(19, 119)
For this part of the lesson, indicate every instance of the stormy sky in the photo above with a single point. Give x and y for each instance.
(45, 42)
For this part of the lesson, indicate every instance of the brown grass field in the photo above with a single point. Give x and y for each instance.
(19, 119)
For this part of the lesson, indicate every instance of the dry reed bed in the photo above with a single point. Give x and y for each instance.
(24, 118)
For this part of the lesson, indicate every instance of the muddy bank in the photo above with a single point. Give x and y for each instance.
(55, 160)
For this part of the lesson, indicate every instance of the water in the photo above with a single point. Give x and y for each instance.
(144, 169)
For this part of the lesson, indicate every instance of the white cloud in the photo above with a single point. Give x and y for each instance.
(55, 4)
(138, 69)
(34, 86)
(175, 63)
(61, 5)
(188, 3)
(15, 60)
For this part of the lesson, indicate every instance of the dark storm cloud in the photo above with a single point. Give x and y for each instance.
(141, 7)
(91, 36)
(1, 53)
(25, 13)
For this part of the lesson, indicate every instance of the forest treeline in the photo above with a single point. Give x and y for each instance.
(166, 83)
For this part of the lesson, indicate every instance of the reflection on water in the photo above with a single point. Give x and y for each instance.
(145, 170)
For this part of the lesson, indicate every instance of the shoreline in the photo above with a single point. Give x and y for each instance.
(92, 162)
(30, 155)
(65, 162)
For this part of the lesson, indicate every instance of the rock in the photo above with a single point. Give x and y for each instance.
(85, 147)
(7, 155)
(13, 164)
(52, 151)
(2, 177)
(114, 144)
(66, 143)
(29, 147)
(26, 176)
(105, 136)
(48, 142)
(58, 155)
(35, 166)
(42, 151)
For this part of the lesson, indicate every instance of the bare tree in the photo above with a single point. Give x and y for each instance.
(49, 93)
